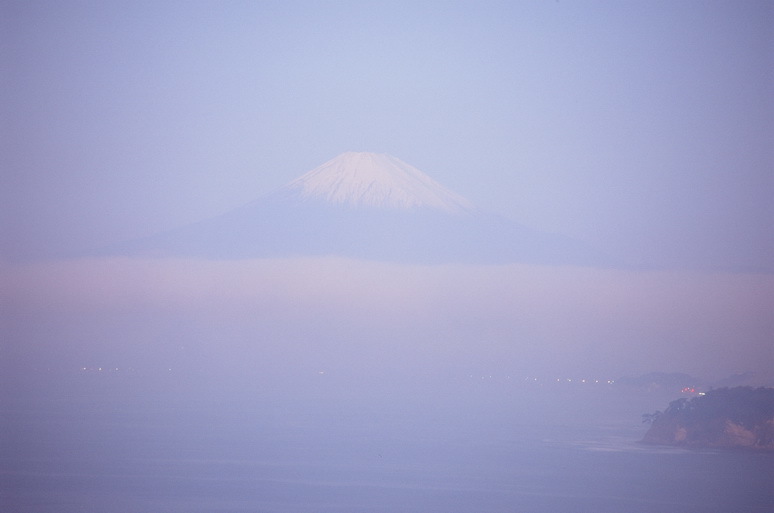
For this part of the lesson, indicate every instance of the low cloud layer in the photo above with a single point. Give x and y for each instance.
(346, 316)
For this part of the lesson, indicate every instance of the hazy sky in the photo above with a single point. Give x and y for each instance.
(643, 127)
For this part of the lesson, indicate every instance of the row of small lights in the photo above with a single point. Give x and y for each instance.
(108, 369)
(557, 380)
(528, 379)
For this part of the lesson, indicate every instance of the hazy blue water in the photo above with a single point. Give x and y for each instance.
(133, 446)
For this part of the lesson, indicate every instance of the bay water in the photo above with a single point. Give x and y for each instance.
(131, 444)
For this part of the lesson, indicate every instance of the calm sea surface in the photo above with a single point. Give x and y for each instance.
(134, 445)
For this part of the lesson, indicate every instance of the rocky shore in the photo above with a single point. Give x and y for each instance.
(741, 417)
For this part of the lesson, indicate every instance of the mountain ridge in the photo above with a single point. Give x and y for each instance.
(367, 206)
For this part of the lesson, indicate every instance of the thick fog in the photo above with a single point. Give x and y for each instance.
(303, 316)
(334, 385)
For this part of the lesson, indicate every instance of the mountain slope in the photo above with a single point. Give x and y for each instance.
(365, 205)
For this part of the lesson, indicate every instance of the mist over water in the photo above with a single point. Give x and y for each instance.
(342, 385)
(301, 316)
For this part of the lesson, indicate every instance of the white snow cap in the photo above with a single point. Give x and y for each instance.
(376, 180)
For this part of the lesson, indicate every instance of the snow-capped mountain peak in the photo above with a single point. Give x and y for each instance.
(366, 206)
(362, 179)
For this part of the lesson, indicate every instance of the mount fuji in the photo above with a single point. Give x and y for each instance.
(373, 180)
(369, 206)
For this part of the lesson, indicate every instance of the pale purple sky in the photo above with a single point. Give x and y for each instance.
(643, 127)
